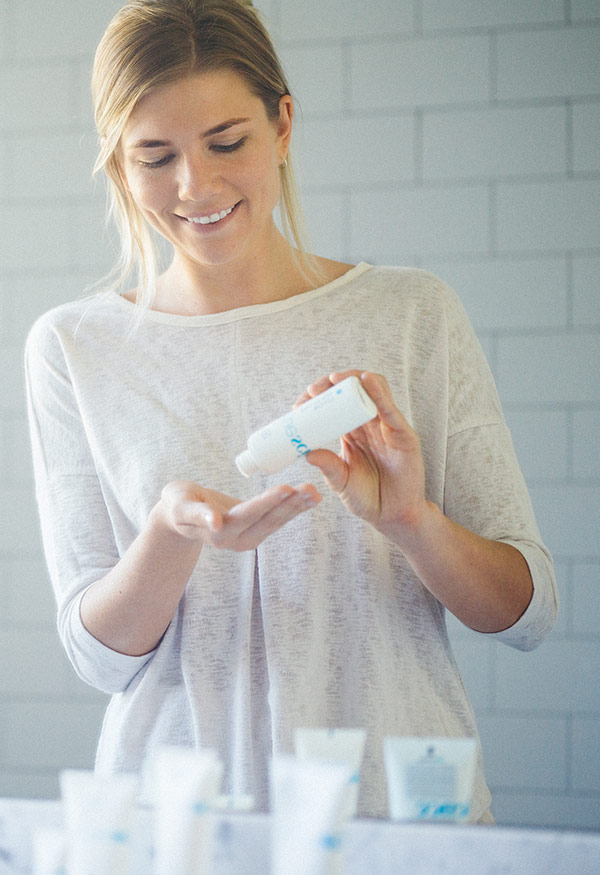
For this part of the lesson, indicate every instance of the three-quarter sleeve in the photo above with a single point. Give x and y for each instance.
(76, 530)
(485, 490)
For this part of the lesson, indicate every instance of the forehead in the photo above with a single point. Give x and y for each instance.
(203, 99)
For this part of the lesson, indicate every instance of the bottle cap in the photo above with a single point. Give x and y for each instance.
(246, 464)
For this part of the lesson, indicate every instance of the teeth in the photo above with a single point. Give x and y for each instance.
(215, 217)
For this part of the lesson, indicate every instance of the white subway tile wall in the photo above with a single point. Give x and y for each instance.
(548, 62)
(454, 135)
(586, 306)
(423, 71)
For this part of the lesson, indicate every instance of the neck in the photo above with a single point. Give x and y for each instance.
(188, 288)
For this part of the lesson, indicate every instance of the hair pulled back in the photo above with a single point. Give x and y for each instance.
(151, 43)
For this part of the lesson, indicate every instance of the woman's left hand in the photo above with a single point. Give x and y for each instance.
(379, 473)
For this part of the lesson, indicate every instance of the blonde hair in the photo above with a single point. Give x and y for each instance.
(150, 43)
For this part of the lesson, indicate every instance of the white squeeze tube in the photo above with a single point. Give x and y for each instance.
(312, 425)
(49, 852)
(187, 781)
(308, 815)
(99, 812)
(237, 804)
(335, 745)
(430, 778)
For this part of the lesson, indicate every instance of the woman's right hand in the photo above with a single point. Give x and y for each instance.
(129, 608)
(210, 517)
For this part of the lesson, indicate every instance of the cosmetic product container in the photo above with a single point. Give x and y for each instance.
(337, 746)
(99, 812)
(310, 426)
(49, 852)
(187, 782)
(308, 816)
(430, 778)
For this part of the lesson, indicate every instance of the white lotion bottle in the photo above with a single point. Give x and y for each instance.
(312, 425)
(309, 816)
(99, 814)
(336, 746)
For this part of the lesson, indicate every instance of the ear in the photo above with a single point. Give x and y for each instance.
(284, 124)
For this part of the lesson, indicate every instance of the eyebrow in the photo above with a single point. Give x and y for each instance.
(218, 129)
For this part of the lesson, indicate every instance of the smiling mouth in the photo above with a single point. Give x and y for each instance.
(212, 219)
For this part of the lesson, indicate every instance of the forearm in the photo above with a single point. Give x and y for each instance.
(485, 583)
(131, 607)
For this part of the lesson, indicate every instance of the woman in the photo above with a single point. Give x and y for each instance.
(228, 622)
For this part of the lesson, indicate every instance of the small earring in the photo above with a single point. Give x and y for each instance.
(284, 165)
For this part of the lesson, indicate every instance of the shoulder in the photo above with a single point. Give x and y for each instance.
(406, 281)
(71, 336)
(62, 325)
(57, 319)
(43, 338)
(418, 291)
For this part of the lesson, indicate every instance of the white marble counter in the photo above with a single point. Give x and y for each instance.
(373, 847)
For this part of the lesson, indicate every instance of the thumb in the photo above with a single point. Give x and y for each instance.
(331, 466)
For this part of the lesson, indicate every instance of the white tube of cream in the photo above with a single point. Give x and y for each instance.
(312, 425)
(98, 813)
(430, 778)
(237, 804)
(308, 816)
(335, 745)
(187, 782)
(49, 852)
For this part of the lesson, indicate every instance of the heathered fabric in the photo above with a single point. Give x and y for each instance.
(325, 624)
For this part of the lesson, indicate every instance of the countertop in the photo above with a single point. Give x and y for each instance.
(374, 847)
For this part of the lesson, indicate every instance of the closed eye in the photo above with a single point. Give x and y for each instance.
(159, 163)
(231, 147)
(216, 147)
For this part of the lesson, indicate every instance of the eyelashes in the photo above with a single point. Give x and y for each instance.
(232, 147)
(217, 147)
(153, 164)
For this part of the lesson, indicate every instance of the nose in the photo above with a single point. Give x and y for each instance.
(199, 179)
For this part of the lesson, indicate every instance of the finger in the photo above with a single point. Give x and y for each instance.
(221, 520)
(338, 376)
(200, 514)
(332, 467)
(299, 502)
(194, 509)
(212, 517)
(395, 428)
(248, 513)
(323, 383)
(329, 380)
(301, 399)
(378, 389)
(317, 386)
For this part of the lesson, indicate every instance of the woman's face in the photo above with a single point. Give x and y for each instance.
(201, 159)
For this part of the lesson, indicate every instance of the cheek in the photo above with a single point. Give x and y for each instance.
(262, 174)
(147, 193)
